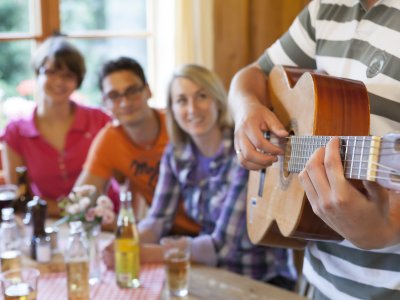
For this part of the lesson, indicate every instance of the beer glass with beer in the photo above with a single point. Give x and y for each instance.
(20, 284)
(176, 250)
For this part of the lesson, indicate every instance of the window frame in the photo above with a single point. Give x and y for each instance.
(45, 21)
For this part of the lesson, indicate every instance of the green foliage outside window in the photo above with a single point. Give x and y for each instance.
(17, 79)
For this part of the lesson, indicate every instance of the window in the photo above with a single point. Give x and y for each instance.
(101, 29)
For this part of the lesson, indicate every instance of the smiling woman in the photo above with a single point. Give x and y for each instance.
(200, 171)
(58, 133)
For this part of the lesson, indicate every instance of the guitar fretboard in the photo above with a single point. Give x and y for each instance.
(358, 153)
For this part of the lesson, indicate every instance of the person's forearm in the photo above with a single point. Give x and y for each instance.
(150, 230)
(249, 86)
(53, 211)
(394, 217)
(203, 251)
(151, 253)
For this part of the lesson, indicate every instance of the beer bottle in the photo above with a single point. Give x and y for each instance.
(24, 193)
(10, 253)
(126, 245)
(40, 242)
(77, 261)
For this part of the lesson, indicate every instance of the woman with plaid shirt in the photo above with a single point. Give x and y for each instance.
(200, 169)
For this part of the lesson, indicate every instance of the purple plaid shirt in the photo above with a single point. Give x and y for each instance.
(218, 203)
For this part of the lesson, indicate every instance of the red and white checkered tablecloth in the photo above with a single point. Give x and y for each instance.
(53, 286)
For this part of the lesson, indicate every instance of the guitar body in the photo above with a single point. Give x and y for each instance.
(278, 212)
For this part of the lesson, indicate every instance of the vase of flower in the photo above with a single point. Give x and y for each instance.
(82, 204)
(95, 264)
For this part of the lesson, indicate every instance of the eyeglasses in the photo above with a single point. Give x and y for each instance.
(54, 73)
(130, 93)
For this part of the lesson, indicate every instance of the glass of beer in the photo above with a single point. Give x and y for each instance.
(8, 195)
(20, 284)
(176, 250)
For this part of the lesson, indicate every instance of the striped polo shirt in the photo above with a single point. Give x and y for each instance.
(345, 39)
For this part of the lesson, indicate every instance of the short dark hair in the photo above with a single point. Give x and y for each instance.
(64, 54)
(121, 64)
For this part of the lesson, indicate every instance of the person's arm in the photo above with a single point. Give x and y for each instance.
(369, 220)
(165, 202)
(248, 102)
(10, 160)
(87, 178)
(249, 96)
(224, 245)
(160, 217)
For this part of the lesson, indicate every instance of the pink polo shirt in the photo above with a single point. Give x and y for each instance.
(52, 173)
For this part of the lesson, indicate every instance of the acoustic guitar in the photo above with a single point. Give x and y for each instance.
(314, 107)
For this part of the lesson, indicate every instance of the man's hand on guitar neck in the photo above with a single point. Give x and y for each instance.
(247, 98)
(369, 220)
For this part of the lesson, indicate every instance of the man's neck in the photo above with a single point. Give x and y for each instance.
(371, 3)
(146, 133)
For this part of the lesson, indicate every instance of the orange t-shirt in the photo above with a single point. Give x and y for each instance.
(113, 152)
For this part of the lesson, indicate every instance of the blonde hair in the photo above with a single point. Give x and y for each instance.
(213, 86)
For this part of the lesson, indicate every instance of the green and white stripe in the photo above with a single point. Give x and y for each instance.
(341, 38)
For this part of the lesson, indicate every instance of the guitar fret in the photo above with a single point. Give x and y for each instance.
(352, 164)
(346, 152)
(362, 158)
(354, 153)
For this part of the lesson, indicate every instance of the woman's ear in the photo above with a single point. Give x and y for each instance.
(148, 91)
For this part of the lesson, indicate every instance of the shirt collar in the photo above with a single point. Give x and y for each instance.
(187, 157)
(29, 129)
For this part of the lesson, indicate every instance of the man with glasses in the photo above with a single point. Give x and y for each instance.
(130, 148)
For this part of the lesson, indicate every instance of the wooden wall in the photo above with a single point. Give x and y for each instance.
(244, 28)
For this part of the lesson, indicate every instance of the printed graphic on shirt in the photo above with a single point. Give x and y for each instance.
(142, 168)
(376, 64)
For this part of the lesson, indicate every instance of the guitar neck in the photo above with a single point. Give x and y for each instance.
(359, 154)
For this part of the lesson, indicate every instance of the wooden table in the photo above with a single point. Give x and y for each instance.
(218, 284)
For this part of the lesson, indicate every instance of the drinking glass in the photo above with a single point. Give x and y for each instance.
(20, 284)
(176, 250)
(8, 194)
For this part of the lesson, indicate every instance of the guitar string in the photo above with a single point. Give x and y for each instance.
(345, 171)
(387, 147)
(360, 162)
(351, 143)
(388, 171)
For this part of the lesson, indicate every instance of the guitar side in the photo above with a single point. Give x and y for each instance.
(280, 214)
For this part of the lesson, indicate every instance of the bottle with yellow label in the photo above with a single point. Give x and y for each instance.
(127, 264)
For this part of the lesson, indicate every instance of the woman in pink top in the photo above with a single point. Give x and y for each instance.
(54, 140)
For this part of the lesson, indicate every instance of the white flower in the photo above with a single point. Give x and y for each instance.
(73, 208)
(84, 190)
(84, 203)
